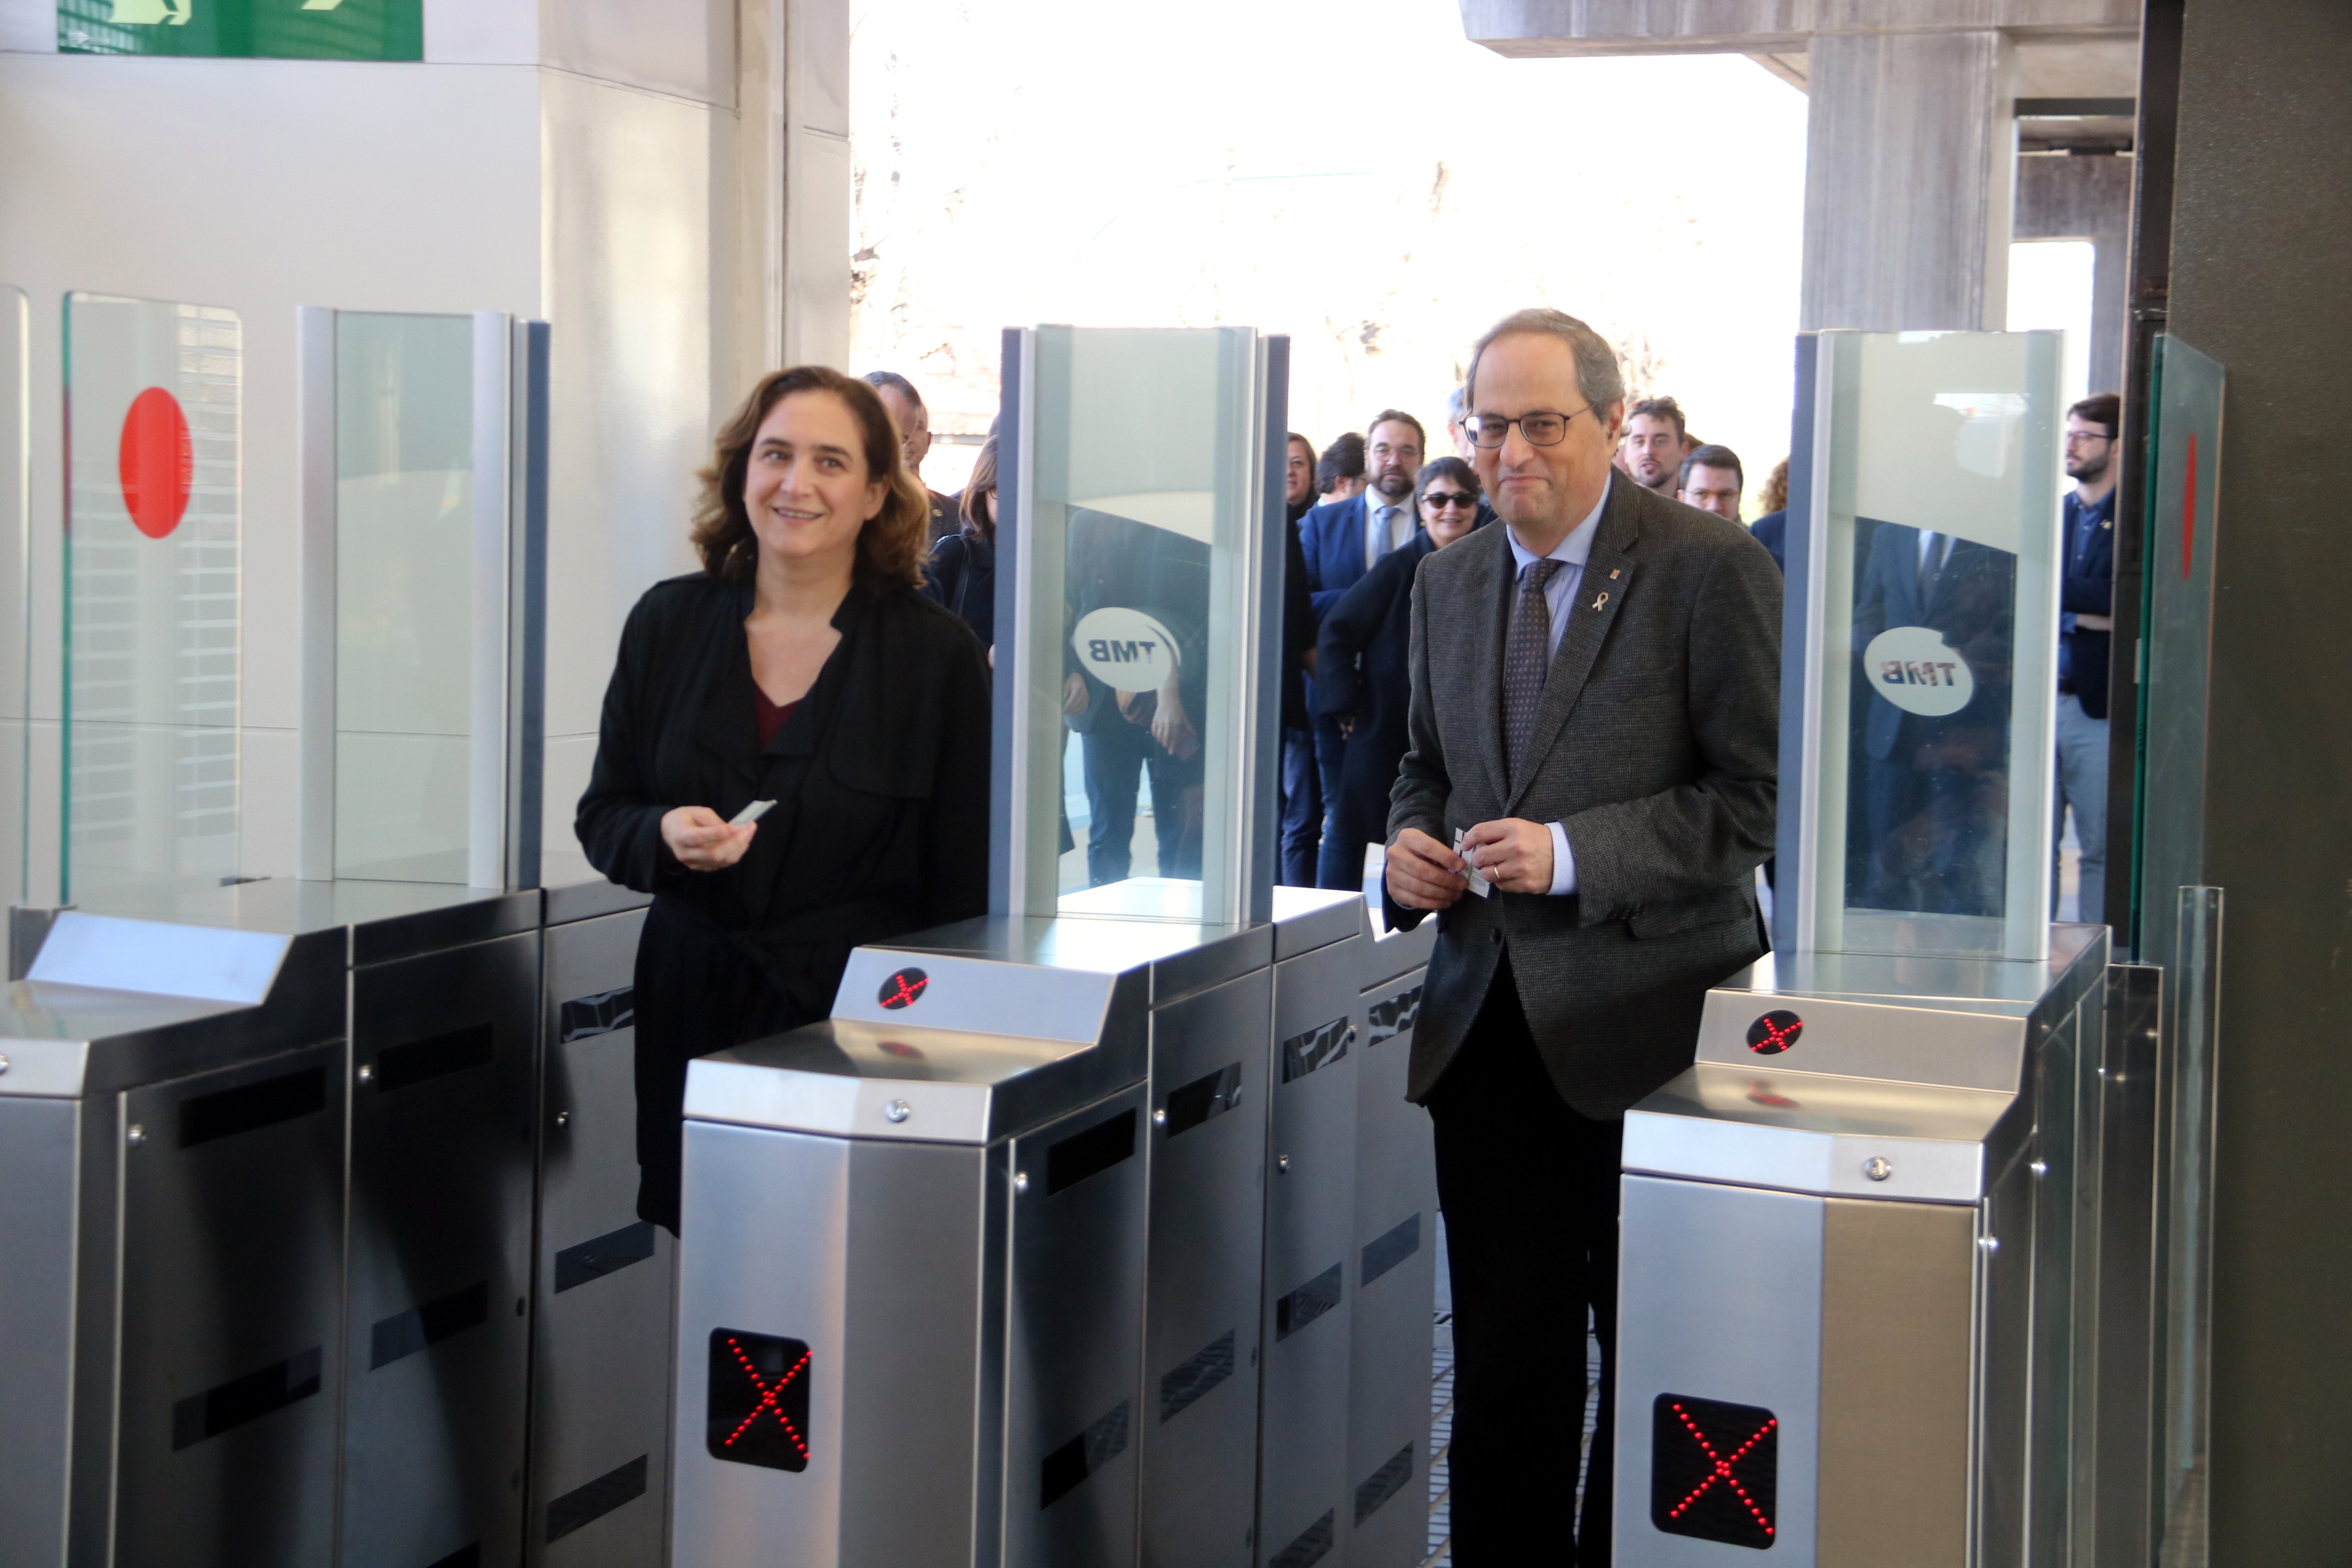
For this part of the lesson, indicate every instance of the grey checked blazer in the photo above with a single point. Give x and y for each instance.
(1656, 747)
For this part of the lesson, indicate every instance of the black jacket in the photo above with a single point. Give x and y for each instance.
(1364, 664)
(880, 780)
(962, 575)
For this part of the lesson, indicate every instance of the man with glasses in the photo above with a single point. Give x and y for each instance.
(1711, 480)
(1594, 723)
(1342, 539)
(2086, 606)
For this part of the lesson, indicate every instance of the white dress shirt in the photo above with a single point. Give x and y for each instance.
(1560, 597)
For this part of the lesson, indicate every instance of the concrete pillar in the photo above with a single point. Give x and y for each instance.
(1911, 162)
(2063, 197)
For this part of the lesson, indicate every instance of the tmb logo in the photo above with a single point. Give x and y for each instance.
(902, 989)
(1125, 649)
(1774, 1032)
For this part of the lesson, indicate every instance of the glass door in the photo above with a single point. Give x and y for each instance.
(153, 497)
(422, 572)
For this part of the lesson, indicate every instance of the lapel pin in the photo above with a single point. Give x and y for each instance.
(1613, 573)
(1601, 600)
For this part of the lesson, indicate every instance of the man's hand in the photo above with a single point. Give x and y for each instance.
(1170, 726)
(1074, 693)
(2094, 623)
(703, 840)
(1423, 874)
(1513, 853)
(1348, 726)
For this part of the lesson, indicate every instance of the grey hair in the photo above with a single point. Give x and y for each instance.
(1597, 374)
(890, 380)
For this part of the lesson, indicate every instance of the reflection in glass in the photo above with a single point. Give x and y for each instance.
(1931, 590)
(1139, 484)
(152, 582)
(403, 596)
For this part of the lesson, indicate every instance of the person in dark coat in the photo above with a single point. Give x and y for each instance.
(962, 571)
(803, 666)
(1363, 660)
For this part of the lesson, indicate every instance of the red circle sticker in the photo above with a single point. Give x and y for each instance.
(157, 462)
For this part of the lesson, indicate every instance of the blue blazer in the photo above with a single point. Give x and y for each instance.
(1332, 536)
(2089, 588)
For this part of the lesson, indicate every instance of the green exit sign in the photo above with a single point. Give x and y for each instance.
(245, 29)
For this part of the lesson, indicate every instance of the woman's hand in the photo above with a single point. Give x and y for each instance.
(703, 840)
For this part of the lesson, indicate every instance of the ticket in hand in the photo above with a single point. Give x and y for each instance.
(752, 812)
(1478, 883)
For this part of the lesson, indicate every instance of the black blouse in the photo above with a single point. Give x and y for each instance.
(879, 776)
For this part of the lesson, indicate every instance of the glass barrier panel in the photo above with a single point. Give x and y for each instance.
(403, 596)
(153, 481)
(1933, 625)
(2184, 491)
(1141, 475)
(2191, 1067)
(16, 509)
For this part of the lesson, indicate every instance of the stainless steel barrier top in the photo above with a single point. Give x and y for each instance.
(922, 1046)
(387, 920)
(1881, 1076)
(112, 1003)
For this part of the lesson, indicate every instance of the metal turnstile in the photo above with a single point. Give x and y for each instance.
(955, 1294)
(172, 1195)
(606, 1280)
(1394, 1262)
(1855, 1232)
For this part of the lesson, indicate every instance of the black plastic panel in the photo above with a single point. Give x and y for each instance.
(1309, 1303)
(1072, 1160)
(1082, 1455)
(1200, 1373)
(1384, 1483)
(1385, 1252)
(436, 1055)
(594, 1259)
(244, 1399)
(586, 1505)
(229, 1111)
(757, 1412)
(1713, 1470)
(406, 1334)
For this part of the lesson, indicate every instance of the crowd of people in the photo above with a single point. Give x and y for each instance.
(793, 752)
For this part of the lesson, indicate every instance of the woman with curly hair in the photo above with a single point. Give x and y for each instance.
(803, 667)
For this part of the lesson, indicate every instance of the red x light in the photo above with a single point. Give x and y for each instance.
(758, 1412)
(1774, 1032)
(1713, 1469)
(902, 989)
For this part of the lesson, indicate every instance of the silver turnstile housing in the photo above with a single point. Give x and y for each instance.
(606, 1285)
(946, 1223)
(1857, 1224)
(172, 1218)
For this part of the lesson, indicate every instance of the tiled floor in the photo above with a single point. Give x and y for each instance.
(1441, 1416)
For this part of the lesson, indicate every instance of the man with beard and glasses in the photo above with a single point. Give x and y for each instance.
(1655, 447)
(2086, 606)
(1343, 541)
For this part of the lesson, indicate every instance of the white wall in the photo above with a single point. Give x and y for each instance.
(260, 187)
(572, 159)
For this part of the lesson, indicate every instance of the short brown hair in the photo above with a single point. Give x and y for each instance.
(2100, 408)
(1398, 416)
(890, 546)
(1660, 408)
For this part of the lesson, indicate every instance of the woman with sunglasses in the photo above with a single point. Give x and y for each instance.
(1363, 673)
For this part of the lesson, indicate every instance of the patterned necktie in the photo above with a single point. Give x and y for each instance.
(1526, 657)
(1383, 523)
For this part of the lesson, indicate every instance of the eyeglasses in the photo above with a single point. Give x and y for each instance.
(1448, 497)
(2074, 436)
(1541, 429)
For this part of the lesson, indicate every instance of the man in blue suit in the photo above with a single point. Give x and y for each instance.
(1936, 786)
(1341, 541)
(2086, 606)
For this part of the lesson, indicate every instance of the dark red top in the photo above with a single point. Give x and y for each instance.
(771, 717)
